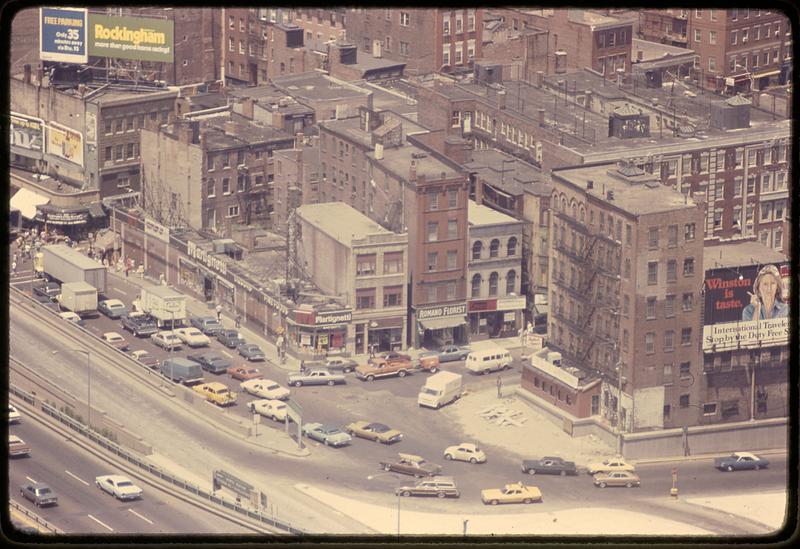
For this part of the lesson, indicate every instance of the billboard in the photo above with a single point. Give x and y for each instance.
(65, 142)
(746, 307)
(27, 132)
(62, 35)
(139, 38)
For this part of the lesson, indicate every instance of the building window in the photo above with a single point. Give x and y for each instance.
(698, 35)
(433, 231)
(512, 246)
(672, 236)
(452, 198)
(433, 294)
(686, 336)
(652, 238)
(651, 308)
(650, 343)
(689, 232)
(669, 306)
(511, 282)
(627, 271)
(476, 285)
(494, 248)
(433, 200)
(626, 304)
(667, 373)
(446, 54)
(451, 290)
(119, 152)
(685, 369)
(684, 401)
(405, 19)
(688, 266)
(392, 296)
(734, 37)
(672, 270)
(392, 262)
(233, 211)
(452, 259)
(669, 341)
(712, 64)
(365, 265)
(493, 284)
(365, 298)
(433, 260)
(709, 409)
(652, 272)
(109, 156)
(452, 228)
(226, 186)
(446, 26)
(404, 49)
(476, 249)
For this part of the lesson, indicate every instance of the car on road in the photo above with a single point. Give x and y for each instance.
(39, 493)
(250, 351)
(492, 359)
(193, 337)
(230, 338)
(118, 486)
(112, 308)
(390, 357)
(739, 461)
(617, 478)
(217, 393)
(167, 340)
(17, 447)
(69, 316)
(265, 388)
(212, 362)
(410, 464)
(549, 465)
(511, 493)
(273, 409)
(47, 302)
(315, 377)
(465, 451)
(145, 358)
(50, 290)
(374, 431)
(335, 364)
(243, 373)
(207, 324)
(115, 340)
(329, 435)
(450, 353)
(13, 415)
(610, 465)
(140, 324)
(439, 486)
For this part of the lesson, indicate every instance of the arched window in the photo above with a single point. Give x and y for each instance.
(512, 246)
(476, 285)
(511, 282)
(493, 283)
(494, 247)
(476, 249)
(582, 214)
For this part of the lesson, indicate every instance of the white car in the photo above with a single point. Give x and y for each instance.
(273, 409)
(13, 415)
(611, 466)
(118, 486)
(465, 451)
(69, 316)
(265, 388)
(192, 337)
(115, 340)
(167, 340)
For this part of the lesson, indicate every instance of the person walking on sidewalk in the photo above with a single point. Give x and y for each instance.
(13, 267)
(302, 366)
(499, 387)
(238, 321)
(219, 313)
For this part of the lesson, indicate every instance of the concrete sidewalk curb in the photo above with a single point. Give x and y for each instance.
(699, 457)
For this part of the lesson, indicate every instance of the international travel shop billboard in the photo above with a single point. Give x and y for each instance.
(140, 38)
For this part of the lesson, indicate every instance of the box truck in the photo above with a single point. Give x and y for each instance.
(78, 297)
(164, 304)
(64, 264)
(182, 370)
(440, 389)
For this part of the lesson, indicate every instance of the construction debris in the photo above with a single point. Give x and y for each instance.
(503, 416)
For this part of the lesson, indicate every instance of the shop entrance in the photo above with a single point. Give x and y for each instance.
(208, 289)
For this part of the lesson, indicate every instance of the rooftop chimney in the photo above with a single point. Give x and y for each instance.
(590, 184)
(27, 73)
(230, 127)
(541, 117)
(298, 140)
(539, 79)
(610, 195)
(412, 171)
(501, 99)
(639, 55)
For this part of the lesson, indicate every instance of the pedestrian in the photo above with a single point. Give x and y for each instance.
(219, 313)
(499, 387)
(13, 267)
(238, 321)
(302, 366)
(14, 259)
(28, 250)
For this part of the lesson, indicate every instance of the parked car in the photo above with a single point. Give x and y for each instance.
(145, 358)
(265, 388)
(374, 431)
(192, 337)
(13, 415)
(140, 324)
(243, 373)
(465, 451)
(207, 324)
(609, 465)
(230, 338)
(212, 362)
(329, 435)
(17, 447)
(339, 364)
(390, 357)
(250, 351)
(739, 461)
(112, 308)
(167, 340)
(438, 486)
(216, 392)
(315, 377)
(39, 493)
(50, 290)
(511, 493)
(115, 340)
(617, 478)
(450, 353)
(549, 466)
(488, 360)
(69, 316)
(118, 486)
(273, 409)
(410, 464)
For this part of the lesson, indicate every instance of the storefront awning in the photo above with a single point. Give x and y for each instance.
(767, 73)
(61, 216)
(26, 201)
(96, 210)
(446, 322)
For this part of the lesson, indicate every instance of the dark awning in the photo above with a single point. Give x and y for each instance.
(53, 215)
(96, 210)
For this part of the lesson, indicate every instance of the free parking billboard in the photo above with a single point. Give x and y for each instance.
(746, 307)
(139, 38)
(62, 35)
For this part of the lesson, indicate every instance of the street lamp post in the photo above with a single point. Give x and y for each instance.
(88, 386)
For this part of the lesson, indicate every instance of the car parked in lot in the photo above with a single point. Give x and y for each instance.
(439, 486)
(610, 465)
(338, 364)
(118, 486)
(250, 351)
(243, 373)
(39, 493)
(465, 451)
(192, 337)
(511, 493)
(140, 324)
(329, 435)
(450, 353)
(230, 338)
(390, 357)
(549, 465)
(212, 362)
(217, 393)
(13, 415)
(740, 461)
(315, 377)
(167, 340)
(273, 409)
(145, 358)
(265, 388)
(50, 290)
(112, 308)
(17, 447)
(410, 464)
(374, 431)
(115, 340)
(209, 325)
(69, 316)
(617, 478)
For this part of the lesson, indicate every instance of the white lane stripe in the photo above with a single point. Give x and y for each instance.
(120, 291)
(31, 480)
(147, 520)
(76, 477)
(226, 354)
(104, 525)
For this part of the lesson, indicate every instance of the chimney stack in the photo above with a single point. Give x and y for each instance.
(589, 184)
(501, 99)
(541, 117)
(412, 171)
(539, 79)
(298, 140)
(247, 107)
(230, 128)
(27, 73)
(639, 55)
(379, 152)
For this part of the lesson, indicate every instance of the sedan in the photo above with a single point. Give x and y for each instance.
(329, 435)
(390, 357)
(511, 493)
(243, 373)
(118, 486)
(145, 358)
(112, 308)
(49, 290)
(250, 351)
(265, 388)
(611, 465)
(740, 461)
(374, 431)
(273, 409)
(617, 478)
(17, 447)
(230, 338)
(207, 324)
(39, 493)
(465, 452)
(166, 340)
(193, 337)
(13, 415)
(549, 466)
(115, 340)
(69, 316)
(409, 464)
(450, 353)
(212, 362)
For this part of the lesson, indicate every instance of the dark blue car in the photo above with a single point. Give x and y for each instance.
(739, 461)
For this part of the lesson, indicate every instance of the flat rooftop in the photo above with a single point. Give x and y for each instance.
(397, 160)
(245, 132)
(653, 51)
(314, 86)
(340, 221)
(738, 254)
(507, 173)
(479, 215)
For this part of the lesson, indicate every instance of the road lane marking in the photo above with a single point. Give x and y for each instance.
(147, 520)
(31, 480)
(104, 525)
(227, 355)
(76, 477)
(120, 291)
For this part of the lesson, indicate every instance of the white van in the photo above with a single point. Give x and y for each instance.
(488, 360)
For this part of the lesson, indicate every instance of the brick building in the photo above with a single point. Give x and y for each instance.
(296, 180)
(665, 26)
(329, 97)
(244, 55)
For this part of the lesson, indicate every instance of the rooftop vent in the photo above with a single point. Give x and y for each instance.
(610, 195)
(590, 184)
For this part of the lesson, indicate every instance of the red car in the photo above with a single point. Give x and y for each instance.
(243, 373)
(390, 357)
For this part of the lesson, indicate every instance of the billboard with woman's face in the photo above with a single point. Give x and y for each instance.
(746, 307)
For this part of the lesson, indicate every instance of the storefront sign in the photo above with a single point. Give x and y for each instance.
(156, 230)
(62, 217)
(65, 143)
(275, 304)
(139, 38)
(509, 317)
(27, 132)
(511, 303)
(334, 317)
(62, 35)
(243, 284)
(482, 305)
(306, 318)
(193, 251)
(444, 310)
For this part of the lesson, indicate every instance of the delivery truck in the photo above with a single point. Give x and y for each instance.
(78, 297)
(64, 264)
(182, 370)
(164, 304)
(440, 389)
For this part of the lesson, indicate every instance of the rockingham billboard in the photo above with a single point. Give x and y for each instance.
(746, 307)
(62, 35)
(139, 38)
